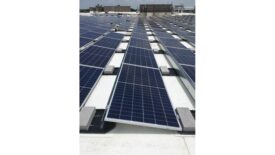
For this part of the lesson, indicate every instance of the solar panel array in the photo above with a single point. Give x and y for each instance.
(140, 96)
(183, 56)
(92, 27)
(94, 58)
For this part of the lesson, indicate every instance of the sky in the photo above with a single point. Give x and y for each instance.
(84, 4)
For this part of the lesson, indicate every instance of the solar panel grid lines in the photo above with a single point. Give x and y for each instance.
(183, 56)
(140, 43)
(90, 35)
(84, 41)
(114, 35)
(171, 42)
(96, 56)
(108, 42)
(139, 56)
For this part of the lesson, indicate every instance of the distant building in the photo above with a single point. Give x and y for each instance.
(117, 8)
(178, 8)
(155, 9)
(97, 8)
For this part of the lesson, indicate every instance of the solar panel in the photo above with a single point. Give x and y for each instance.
(98, 30)
(96, 56)
(140, 43)
(90, 35)
(108, 42)
(83, 31)
(115, 35)
(88, 77)
(172, 43)
(141, 57)
(84, 41)
(139, 35)
(183, 56)
(164, 35)
(83, 94)
(190, 71)
(140, 98)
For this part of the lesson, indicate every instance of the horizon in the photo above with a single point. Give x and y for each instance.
(85, 4)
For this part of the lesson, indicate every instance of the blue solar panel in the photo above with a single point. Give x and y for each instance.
(90, 35)
(141, 57)
(88, 77)
(190, 71)
(98, 30)
(164, 35)
(141, 76)
(115, 35)
(139, 35)
(140, 43)
(140, 97)
(96, 56)
(83, 94)
(172, 43)
(183, 56)
(84, 41)
(108, 42)
(83, 31)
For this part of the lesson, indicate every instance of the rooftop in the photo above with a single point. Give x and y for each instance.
(147, 57)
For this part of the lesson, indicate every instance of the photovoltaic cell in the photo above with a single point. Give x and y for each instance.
(108, 42)
(140, 97)
(183, 56)
(141, 57)
(88, 77)
(96, 56)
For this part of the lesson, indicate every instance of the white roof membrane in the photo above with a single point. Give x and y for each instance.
(116, 60)
(178, 95)
(101, 93)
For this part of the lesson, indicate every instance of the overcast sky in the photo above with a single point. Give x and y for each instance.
(134, 3)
